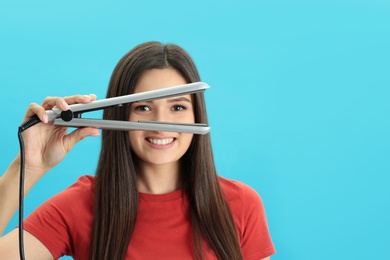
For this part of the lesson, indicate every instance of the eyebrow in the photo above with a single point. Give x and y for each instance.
(170, 100)
(179, 99)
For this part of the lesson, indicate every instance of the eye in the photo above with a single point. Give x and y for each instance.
(142, 108)
(178, 108)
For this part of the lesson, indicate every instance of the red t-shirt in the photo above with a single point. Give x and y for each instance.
(162, 231)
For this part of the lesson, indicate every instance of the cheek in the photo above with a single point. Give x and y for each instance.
(131, 117)
(188, 139)
(133, 137)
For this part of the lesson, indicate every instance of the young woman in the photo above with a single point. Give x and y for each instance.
(156, 195)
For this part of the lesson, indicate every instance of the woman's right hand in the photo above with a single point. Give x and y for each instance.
(46, 144)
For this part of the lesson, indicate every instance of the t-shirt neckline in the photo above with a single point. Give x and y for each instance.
(174, 195)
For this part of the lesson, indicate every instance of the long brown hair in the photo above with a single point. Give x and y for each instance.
(116, 195)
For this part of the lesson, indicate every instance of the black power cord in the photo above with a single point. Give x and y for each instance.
(29, 123)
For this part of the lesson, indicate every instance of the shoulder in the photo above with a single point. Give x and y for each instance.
(84, 183)
(82, 189)
(63, 208)
(77, 196)
(249, 216)
(244, 201)
(235, 191)
(63, 222)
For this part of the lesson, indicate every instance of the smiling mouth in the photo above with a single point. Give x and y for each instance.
(160, 141)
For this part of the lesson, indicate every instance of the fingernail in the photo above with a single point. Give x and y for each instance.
(65, 105)
(45, 118)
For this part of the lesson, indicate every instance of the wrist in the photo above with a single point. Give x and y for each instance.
(31, 173)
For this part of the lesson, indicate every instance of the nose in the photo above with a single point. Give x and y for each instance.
(160, 115)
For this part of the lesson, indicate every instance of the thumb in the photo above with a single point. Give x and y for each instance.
(76, 136)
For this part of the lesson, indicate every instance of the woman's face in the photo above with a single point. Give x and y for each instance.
(156, 147)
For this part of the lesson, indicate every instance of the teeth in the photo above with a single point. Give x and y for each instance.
(160, 141)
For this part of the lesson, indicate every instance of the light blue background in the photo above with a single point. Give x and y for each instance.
(299, 104)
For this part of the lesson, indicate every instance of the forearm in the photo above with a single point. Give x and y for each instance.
(9, 191)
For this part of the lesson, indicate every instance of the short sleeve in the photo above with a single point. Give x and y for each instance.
(256, 241)
(56, 223)
(249, 217)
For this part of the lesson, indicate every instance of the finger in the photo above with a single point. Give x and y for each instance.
(59, 102)
(35, 109)
(48, 103)
(63, 103)
(80, 99)
(76, 136)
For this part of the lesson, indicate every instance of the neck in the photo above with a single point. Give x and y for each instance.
(158, 179)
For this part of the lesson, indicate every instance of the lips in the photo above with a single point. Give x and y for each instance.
(163, 141)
